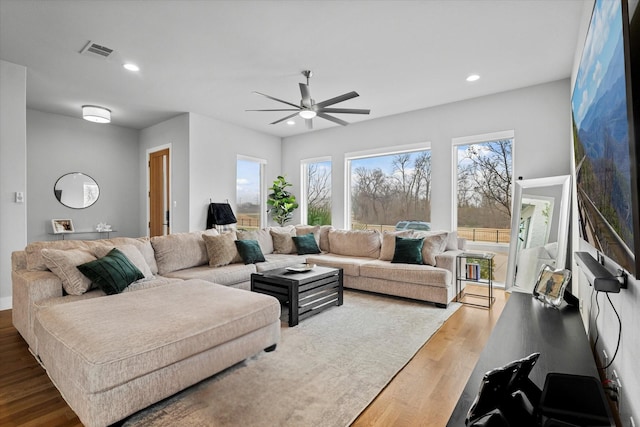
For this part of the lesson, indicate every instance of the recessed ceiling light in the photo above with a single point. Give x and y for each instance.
(131, 67)
(473, 78)
(291, 122)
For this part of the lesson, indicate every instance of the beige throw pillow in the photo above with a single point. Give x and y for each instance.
(131, 252)
(389, 243)
(222, 249)
(63, 264)
(283, 242)
(434, 244)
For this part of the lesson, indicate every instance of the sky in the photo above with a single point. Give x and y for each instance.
(597, 54)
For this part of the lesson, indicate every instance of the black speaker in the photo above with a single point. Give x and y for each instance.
(607, 284)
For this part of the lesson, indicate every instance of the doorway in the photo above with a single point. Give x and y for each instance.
(159, 178)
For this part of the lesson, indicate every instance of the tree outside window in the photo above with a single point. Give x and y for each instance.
(390, 188)
(485, 180)
(318, 192)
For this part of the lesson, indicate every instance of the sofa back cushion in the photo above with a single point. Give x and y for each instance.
(142, 243)
(362, 243)
(434, 244)
(181, 250)
(324, 237)
(35, 260)
(301, 230)
(388, 247)
(263, 236)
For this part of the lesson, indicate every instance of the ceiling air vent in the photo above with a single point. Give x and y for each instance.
(95, 50)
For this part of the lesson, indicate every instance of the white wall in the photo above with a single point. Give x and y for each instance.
(602, 323)
(57, 145)
(13, 167)
(213, 150)
(538, 115)
(173, 132)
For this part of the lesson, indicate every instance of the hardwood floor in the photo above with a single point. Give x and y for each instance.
(424, 393)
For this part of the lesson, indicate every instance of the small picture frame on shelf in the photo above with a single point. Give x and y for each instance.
(62, 226)
(551, 285)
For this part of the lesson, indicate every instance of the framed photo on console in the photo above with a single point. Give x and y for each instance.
(62, 226)
(551, 284)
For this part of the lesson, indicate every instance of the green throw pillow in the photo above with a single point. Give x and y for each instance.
(408, 251)
(250, 251)
(112, 273)
(306, 244)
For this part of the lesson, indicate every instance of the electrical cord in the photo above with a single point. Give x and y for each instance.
(619, 333)
(595, 322)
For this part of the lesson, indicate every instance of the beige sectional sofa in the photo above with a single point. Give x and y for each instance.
(111, 356)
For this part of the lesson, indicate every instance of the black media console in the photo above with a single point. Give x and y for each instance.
(527, 326)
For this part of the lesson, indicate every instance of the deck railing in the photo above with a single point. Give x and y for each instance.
(476, 234)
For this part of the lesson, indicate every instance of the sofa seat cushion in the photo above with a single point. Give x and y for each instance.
(280, 261)
(225, 275)
(135, 333)
(349, 264)
(410, 273)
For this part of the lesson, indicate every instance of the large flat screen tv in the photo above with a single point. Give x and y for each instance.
(604, 143)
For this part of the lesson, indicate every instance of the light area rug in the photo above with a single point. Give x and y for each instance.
(324, 372)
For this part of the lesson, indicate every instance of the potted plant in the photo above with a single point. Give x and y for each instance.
(281, 201)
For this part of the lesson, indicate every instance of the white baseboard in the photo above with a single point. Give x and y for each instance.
(6, 303)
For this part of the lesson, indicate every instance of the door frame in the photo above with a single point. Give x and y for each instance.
(148, 186)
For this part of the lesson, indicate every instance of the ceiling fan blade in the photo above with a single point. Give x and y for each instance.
(309, 123)
(276, 99)
(306, 95)
(278, 109)
(332, 119)
(337, 99)
(344, 110)
(284, 118)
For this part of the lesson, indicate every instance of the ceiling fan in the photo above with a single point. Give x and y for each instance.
(308, 108)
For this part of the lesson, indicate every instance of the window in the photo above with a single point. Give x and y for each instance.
(249, 184)
(316, 177)
(484, 187)
(389, 189)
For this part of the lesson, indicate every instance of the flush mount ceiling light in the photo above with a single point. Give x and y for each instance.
(473, 78)
(291, 122)
(96, 114)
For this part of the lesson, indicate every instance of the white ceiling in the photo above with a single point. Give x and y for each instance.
(207, 57)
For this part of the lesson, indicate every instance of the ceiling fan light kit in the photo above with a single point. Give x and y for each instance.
(309, 109)
(307, 114)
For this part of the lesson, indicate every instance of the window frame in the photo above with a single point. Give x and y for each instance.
(469, 140)
(262, 186)
(377, 152)
(304, 183)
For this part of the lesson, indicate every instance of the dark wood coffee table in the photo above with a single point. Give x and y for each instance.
(305, 294)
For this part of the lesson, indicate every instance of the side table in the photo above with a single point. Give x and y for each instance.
(471, 272)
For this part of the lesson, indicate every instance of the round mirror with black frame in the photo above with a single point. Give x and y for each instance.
(76, 190)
